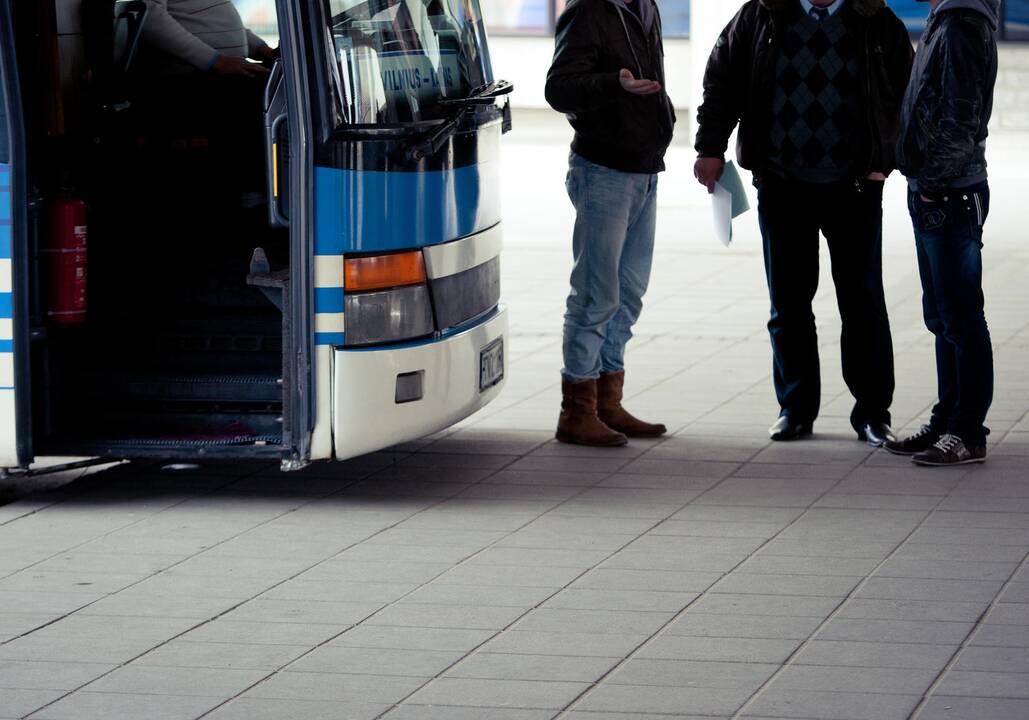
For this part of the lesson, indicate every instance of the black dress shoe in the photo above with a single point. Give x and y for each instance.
(876, 434)
(786, 429)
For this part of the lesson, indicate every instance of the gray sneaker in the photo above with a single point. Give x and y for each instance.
(950, 450)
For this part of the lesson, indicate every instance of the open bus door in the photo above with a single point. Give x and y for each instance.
(15, 400)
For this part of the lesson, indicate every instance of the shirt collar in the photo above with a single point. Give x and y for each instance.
(808, 7)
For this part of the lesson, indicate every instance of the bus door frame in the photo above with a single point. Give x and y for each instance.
(16, 411)
(296, 55)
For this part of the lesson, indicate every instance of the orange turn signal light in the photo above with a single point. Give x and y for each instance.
(384, 271)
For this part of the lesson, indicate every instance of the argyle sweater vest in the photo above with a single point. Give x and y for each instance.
(816, 105)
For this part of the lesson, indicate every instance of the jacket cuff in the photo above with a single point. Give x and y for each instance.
(212, 61)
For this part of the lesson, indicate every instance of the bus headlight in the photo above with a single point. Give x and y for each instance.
(388, 316)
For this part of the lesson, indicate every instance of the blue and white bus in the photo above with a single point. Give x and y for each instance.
(354, 306)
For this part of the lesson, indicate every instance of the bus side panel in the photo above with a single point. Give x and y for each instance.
(8, 408)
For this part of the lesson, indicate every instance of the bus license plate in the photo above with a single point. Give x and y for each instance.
(491, 365)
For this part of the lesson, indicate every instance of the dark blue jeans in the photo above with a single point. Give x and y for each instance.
(792, 214)
(949, 240)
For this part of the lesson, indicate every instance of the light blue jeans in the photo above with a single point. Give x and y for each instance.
(616, 216)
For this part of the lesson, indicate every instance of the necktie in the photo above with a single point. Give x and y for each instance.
(818, 13)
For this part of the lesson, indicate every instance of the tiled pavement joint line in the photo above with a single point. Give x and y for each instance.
(111, 532)
(557, 591)
(835, 612)
(201, 552)
(601, 478)
(631, 655)
(965, 641)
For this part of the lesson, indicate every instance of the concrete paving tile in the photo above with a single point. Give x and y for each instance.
(1016, 593)
(334, 591)
(574, 598)
(450, 712)
(431, 554)
(586, 715)
(686, 673)
(766, 627)
(709, 649)
(736, 514)
(361, 571)
(742, 583)
(446, 616)
(49, 603)
(247, 708)
(993, 659)
(198, 681)
(523, 642)
(925, 610)
(698, 528)
(663, 700)
(423, 536)
(680, 467)
(605, 578)
(1001, 636)
(816, 470)
(974, 708)
(439, 593)
(946, 569)
(963, 553)
(841, 653)
(771, 605)
(104, 706)
(539, 668)
(36, 580)
(682, 559)
(984, 684)
(955, 519)
(497, 491)
(376, 661)
(871, 501)
(262, 633)
(305, 612)
(335, 687)
(764, 564)
(972, 536)
(1008, 614)
(21, 703)
(14, 624)
(562, 463)
(897, 631)
(605, 509)
(230, 656)
(467, 692)
(158, 606)
(444, 639)
(832, 706)
(656, 482)
(884, 681)
(542, 557)
(822, 547)
(885, 588)
(598, 622)
(551, 479)
(565, 540)
(484, 574)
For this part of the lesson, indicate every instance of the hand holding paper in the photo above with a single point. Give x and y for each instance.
(728, 201)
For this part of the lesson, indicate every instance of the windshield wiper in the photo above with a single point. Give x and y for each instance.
(429, 145)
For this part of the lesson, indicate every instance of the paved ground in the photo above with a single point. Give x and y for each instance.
(490, 574)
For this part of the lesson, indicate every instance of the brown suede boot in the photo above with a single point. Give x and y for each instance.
(579, 424)
(612, 414)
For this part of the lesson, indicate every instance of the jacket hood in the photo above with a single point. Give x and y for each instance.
(865, 8)
(989, 8)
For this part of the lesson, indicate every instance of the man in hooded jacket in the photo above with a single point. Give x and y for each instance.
(942, 151)
(608, 78)
(815, 87)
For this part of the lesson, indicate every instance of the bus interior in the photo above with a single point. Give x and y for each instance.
(180, 351)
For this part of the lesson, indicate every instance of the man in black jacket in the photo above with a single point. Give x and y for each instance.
(815, 86)
(608, 78)
(942, 151)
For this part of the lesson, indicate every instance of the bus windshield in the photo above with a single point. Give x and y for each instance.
(394, 60)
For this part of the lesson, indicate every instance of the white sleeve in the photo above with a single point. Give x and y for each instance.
(165, 33)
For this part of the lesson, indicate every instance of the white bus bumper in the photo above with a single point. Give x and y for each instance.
(366, 414)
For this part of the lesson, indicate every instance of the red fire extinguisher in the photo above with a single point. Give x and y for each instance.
(65, 255)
